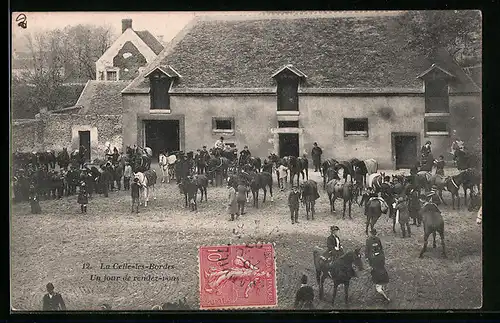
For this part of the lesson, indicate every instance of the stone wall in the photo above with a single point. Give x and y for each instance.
(27, 135)
(61, 131)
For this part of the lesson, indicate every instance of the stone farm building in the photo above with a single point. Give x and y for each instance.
(124, 59)
(279, 85)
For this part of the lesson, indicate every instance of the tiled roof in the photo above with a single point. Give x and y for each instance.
(335, 52)
(102, 97)
(150, 40)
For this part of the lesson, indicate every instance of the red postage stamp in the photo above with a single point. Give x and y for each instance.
(242, 276)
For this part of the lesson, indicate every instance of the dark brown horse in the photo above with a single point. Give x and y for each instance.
(433, 222)
(340, 271)
(297, 166)
(309, 194)
(373, 211)
(336, 189)
(328, 170)
(261, 181)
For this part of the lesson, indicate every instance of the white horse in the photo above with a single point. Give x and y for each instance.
(479, 218)
(171, 167)
(147, 180)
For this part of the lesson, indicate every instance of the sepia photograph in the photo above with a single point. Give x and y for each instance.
(252, 160)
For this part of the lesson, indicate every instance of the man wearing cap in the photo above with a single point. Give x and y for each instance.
(305, 295)
(135, 189)
(376, 259)
(333, 244)
(244, 155)
(53, 301)
(316, 153)
(433, 196)
(294, 203)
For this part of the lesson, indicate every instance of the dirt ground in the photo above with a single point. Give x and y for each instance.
(53, 246)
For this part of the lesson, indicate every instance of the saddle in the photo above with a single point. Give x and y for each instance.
(383, 204)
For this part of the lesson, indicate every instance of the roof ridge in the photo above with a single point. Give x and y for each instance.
(167, 49)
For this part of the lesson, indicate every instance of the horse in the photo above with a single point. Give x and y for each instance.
(451, 184)
(423, 180)
(255, 163)
(401, 207)
(374, 209)
(364, 168)
(347, 169)
(433, 222)
(309, 195)
(189, 187)
(217, 167)
(328, 169)
(262, 181)
(147, 180)
(297, 166)
(336, 189)
(479, 218)
(340, 271)
(202, 185)
(375, 181)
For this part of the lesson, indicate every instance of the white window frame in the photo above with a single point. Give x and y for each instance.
(224, 131)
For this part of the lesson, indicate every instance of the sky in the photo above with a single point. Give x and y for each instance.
(167, 24)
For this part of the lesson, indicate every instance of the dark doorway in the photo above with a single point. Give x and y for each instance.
(162, 135)
(405, 150)
(289, 144)
(85, 142)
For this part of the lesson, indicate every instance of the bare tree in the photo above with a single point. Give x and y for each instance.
(57, 57)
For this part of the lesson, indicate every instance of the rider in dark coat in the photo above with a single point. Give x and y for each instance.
(203, 158)
(425, 151)
(333, 243)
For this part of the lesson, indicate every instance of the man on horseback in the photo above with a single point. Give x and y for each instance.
(333, 245)
(425, 152)
(376, 259)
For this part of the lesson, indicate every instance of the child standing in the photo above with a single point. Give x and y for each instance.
(83, 197)
(294, 203)
(283, 173)
(127, 173)
(232, 206)
(440, 165)
(134, 191)
(241, 199)
(34, 202)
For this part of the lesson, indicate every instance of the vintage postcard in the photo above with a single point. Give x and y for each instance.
(246, 160)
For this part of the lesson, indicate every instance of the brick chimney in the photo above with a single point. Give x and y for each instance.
(126, 24)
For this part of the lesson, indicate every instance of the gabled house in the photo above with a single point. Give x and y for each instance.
(128, 54)
(279, 85)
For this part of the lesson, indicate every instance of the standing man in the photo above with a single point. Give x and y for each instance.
(203, 158)
(376, 259)
(294, 203)
(135, 190)
(316, 156)
(242, 191)
(53, 301)
(232, 205)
